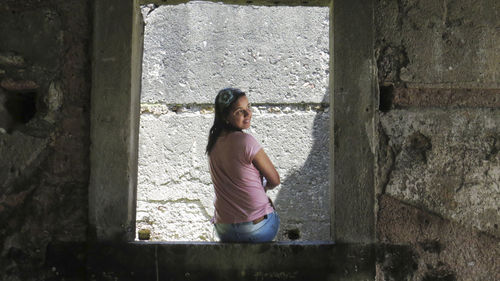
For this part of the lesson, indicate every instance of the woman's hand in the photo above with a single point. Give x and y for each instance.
(262, 162)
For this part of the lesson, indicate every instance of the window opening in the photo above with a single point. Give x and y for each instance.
(280, 57)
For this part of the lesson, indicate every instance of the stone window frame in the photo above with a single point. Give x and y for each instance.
(115, 112)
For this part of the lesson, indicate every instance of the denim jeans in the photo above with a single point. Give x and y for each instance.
(263, 231)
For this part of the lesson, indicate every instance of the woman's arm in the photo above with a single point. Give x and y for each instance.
(262, 162)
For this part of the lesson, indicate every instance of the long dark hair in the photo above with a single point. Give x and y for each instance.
(223, 103)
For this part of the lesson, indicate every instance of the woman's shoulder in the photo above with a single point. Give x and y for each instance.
(242, 136)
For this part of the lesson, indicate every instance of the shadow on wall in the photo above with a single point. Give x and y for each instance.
(303, 201)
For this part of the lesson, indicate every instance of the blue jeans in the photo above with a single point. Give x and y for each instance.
(263, 231)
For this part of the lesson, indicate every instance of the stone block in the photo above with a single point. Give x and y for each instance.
(174, 175)
(447, 162)
(452, 45)
(175, 220)
(36, 37)
(18, 86)
(11, 59)
(277, 54)
(442, 249)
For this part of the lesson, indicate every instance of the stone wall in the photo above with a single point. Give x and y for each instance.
(44, 134)
(279, 56)
(439, 166)
(437, 161)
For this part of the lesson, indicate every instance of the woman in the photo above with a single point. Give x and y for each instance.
(241, 173)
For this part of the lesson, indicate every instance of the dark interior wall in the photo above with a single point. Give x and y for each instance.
(438, 129)
(44, 144)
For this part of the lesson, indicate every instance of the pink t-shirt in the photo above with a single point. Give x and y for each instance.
(239, 194)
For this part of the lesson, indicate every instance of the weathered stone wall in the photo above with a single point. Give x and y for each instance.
(439, 135)
(44, 138)
(430, 231)
(279, 56)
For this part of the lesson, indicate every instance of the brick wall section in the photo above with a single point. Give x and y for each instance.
(453, 98)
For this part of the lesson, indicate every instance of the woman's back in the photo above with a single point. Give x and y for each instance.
(239, 194)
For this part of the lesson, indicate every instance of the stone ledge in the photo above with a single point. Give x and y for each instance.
(225, 261)
(319, 260)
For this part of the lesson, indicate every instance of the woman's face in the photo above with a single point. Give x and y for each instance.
(240, 114)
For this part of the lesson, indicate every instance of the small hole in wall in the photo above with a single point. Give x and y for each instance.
(21, 106)
(19, 109)
(293, 234)
(386, 98)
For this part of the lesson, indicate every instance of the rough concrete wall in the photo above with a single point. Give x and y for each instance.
(440, 249)
(44, 92)
(279, 56)
(447, 161)
(438, 74)
(438, 44)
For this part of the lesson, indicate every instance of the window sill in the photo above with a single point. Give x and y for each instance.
(311, 260)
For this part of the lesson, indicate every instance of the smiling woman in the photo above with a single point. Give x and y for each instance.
(239, 167)
(241, 114)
